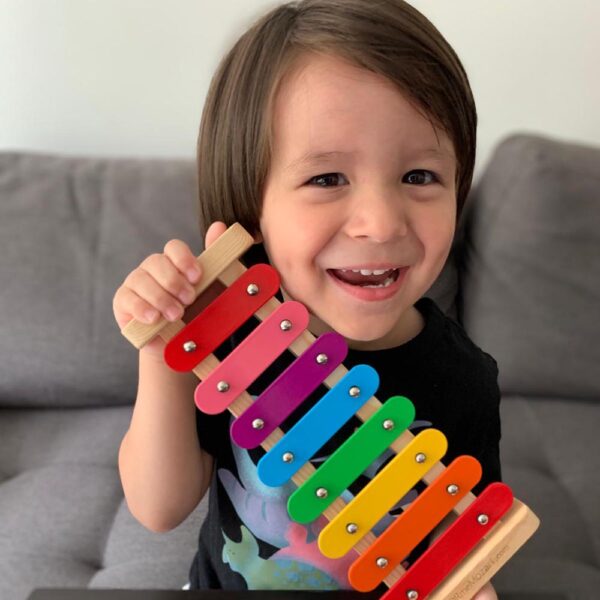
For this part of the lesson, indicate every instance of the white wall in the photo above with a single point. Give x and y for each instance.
(128, 77)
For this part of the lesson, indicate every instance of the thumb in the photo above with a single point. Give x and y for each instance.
(215, 230)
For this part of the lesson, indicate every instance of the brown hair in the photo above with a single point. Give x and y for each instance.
(388, 37)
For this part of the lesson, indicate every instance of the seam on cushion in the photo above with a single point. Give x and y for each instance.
(66, 558)
(71, 192)
(556, 478)
(75, 172)
(109, 529)
(145, 562)
(99, 563)
(95, 248)
(67, 463)
(59, 556)
(5, 479)
(475, 246)
(533, 423)
(520, 169)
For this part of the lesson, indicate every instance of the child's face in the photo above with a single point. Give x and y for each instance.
(358, 181)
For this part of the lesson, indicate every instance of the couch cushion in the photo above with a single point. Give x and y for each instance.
(64, 520)
(549, 458)
(547, 579)
(71, 230)
(59, 493)
(137, 558)
(531, 278)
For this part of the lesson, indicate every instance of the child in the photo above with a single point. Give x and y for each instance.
(341, 133)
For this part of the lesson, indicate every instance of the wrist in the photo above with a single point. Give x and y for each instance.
(154, 372)
(152, 354)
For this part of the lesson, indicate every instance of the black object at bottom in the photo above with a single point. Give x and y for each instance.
(85, 594)
(55, 594)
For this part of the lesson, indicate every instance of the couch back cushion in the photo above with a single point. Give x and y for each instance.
(531, 273)
(71, 230)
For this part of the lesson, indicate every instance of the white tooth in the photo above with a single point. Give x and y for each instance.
(385, 284)
(379, 271)
(366, 272)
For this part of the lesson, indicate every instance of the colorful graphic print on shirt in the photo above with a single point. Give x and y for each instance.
(262, 510)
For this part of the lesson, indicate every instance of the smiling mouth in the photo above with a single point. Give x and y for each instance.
(366, 278)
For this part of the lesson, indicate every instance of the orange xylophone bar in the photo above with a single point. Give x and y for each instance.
(488, 529)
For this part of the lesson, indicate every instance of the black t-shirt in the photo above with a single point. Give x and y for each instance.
(248, 540)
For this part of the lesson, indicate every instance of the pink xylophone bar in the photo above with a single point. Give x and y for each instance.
(487, 530)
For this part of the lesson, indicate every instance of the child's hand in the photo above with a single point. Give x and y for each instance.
(163, 284)
(487, 592)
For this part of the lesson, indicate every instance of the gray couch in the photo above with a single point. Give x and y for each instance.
(525, 281)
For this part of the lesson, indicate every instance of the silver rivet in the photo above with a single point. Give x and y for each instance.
(354, 391)
(285, 325)
(388, 424)
(258, 424)
(412, 594)
(287, 457)
(321, 492)
(420, 457)
(322, 359)
(222, 386)
(189, 346)
(352, 528)
(482, 519)
(252, 289)
(452, 489)
(382, 562)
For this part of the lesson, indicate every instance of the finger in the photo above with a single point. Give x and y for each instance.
(215, 230)
(161, 268)
(128, 305)
(184, 260)
(148, 288)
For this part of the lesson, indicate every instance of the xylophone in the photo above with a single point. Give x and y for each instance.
(487, 530)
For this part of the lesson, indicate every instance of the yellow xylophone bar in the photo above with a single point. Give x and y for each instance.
(219, 262)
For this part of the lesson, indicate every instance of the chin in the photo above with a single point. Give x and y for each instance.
(362, 329)
(360, 333)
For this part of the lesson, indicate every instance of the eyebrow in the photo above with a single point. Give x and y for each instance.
(312, 158)
(434, 153)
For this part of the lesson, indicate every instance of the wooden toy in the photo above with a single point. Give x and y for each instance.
(488, 529)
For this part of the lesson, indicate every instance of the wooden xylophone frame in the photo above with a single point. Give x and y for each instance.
(221, 262)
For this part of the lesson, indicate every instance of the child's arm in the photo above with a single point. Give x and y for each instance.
(163, 469)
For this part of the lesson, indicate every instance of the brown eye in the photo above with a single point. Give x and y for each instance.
(328, 180)
(419, 177)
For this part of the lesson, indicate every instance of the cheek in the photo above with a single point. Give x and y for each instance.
(281, 240)
(443, 243)
(437, 234)
(295, 234)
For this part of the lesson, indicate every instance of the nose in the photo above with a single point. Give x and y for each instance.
(378, 215)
